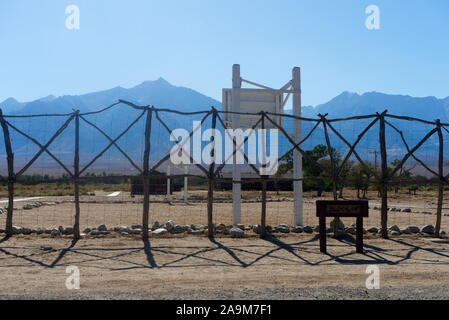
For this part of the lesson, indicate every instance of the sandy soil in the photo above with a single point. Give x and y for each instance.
(288, 267)
(194, 267)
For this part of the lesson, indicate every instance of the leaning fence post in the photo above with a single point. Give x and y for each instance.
(440, 180)
(146, 181)
(76, 167)
(11, 176)
(211, 179)
(334, 180)
(383, 177)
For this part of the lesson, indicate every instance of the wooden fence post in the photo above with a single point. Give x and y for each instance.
(440, 180)
(263, 222)
(384, 176)
(333, 172)
(11, 176)
(76, 167)
(146, 180)
(211, 179)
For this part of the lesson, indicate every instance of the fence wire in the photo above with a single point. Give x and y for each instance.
(133, 136)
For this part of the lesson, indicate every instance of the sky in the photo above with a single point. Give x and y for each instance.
(194, 44)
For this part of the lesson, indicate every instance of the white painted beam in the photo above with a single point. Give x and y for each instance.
(297, 157)
(236, 170)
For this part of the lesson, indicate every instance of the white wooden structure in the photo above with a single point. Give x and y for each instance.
(253, 101)
(266, 99)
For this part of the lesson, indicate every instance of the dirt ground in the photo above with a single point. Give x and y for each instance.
(125, 211)
(189, 267)
(195, 267)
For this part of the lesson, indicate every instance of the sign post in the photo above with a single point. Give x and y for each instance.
(342, 209)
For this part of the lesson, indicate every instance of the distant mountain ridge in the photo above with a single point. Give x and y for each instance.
(162, 94)
(159, 93)
(352, 104)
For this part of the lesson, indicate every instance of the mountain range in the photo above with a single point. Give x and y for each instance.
(160, 93)
(351, 104)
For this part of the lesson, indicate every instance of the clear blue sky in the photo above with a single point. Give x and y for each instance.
(194, 43)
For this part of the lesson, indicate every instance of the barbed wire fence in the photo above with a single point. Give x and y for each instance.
(213, 173)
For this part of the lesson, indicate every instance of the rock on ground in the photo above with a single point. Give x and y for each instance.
(177, 229)
(237, 233)
(341, 225)
(169, 225)
(308, 229)
(428, 229)
(160, 231)
(283, 228)
(413, 229)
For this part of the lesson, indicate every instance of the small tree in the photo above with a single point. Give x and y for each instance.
(312, 166)
(403, 174)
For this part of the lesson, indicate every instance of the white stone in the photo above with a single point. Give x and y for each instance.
(160, 231)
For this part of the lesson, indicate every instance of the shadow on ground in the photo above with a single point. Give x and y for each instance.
(221, 252)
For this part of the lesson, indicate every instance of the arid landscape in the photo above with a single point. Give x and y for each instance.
(286, 267)
(171, 266)
(124, 210)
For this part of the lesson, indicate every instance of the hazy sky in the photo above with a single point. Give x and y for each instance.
(194, 43)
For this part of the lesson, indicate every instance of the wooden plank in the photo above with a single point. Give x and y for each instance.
(342, 208)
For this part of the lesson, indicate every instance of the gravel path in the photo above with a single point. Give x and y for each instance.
(328, 293)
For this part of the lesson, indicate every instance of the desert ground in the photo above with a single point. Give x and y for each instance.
(285, 266)
(190, 267)
(124, 210)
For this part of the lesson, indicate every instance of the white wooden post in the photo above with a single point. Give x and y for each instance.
(297, 157)
(236, 170)
(186, 183)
